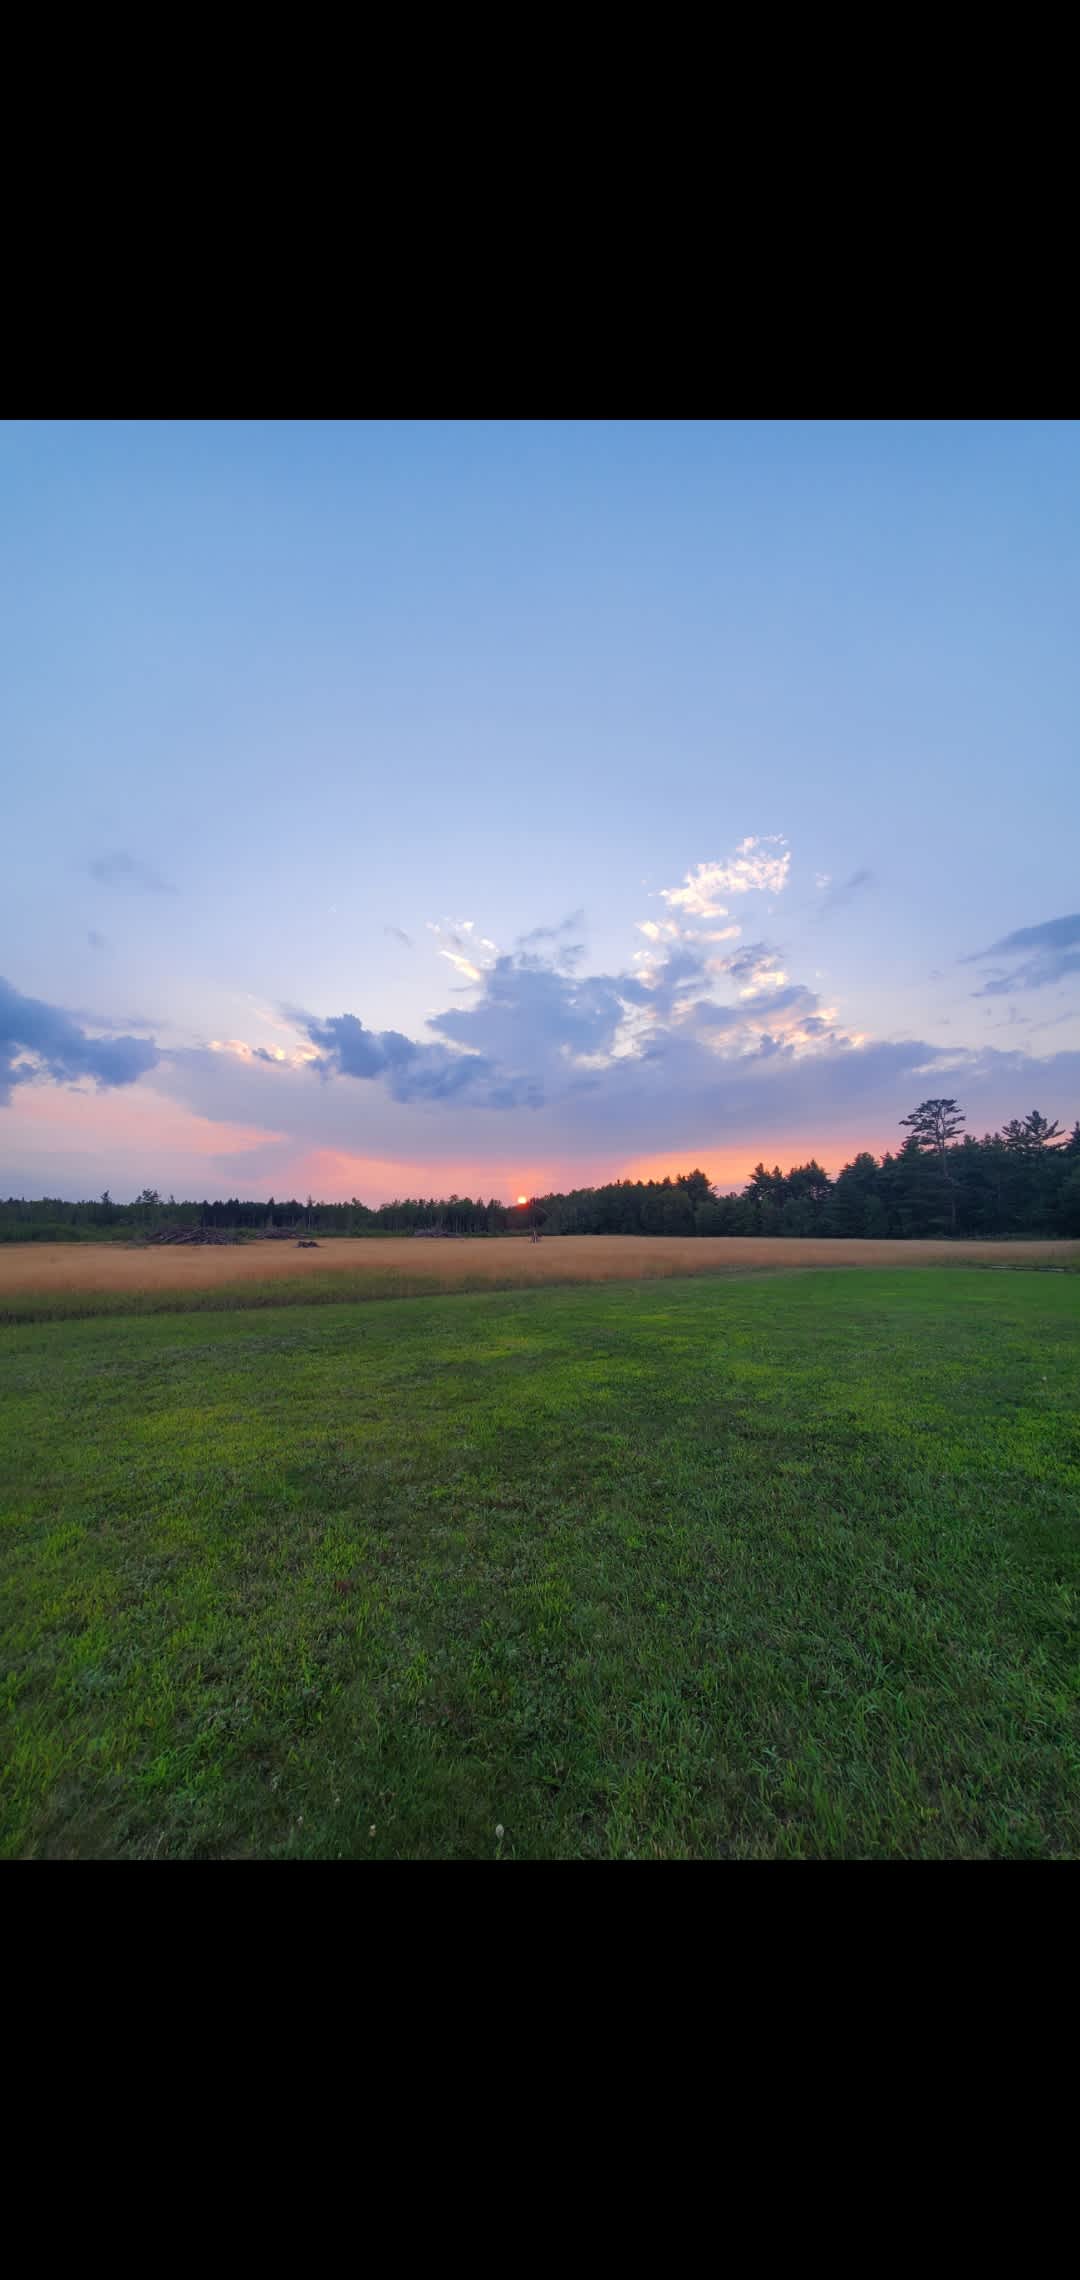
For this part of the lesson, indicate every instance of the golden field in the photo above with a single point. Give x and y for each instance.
(397, 1262)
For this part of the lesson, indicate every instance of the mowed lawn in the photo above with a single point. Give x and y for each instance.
(784, 1566)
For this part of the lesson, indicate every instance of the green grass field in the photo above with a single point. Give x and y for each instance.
(784, 1566)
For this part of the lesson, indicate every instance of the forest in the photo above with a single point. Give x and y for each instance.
(940, 1181)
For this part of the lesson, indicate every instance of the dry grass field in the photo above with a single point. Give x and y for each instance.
(342, 1266)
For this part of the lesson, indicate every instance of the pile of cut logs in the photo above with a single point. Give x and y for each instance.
(194, 1235)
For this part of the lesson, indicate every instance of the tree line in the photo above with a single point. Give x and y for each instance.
(940, 1181)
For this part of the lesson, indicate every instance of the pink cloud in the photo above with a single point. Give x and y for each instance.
(78, 1142)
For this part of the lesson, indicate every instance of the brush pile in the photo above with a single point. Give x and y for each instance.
(194, 1235)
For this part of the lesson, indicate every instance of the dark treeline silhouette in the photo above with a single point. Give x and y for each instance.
(1023, 1180)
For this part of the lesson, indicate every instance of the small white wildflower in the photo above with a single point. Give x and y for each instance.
(371, 1831)
(499, 1830)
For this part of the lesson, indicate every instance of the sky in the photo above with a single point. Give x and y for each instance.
(399, 808)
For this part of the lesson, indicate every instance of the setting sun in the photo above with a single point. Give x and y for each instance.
(523, 1199)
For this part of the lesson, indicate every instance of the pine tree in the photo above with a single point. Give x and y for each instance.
(933, 1124)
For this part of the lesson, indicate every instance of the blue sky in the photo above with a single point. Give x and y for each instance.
(282, 707)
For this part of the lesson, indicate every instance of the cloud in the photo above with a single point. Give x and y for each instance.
(569, 925)
(754, 968)
(1053, 934)
(750, 870)
(700, 1033)
(468, 952)
(836, 894)
(1056, 954)
(758, 1089)
(97, 941)
(399, 935)
(412, 1071)
(681, 1048)
(274, 1055)
(38, 1039)
(538, 1036)
(532, 1020)
(356, 1051)
(565, 955)
(679, 1024)
(121, 869)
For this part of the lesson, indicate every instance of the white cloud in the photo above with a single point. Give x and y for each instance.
(768, 978)
(752, 869)
(469, 953)
(463, 965)
(242, 1051)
